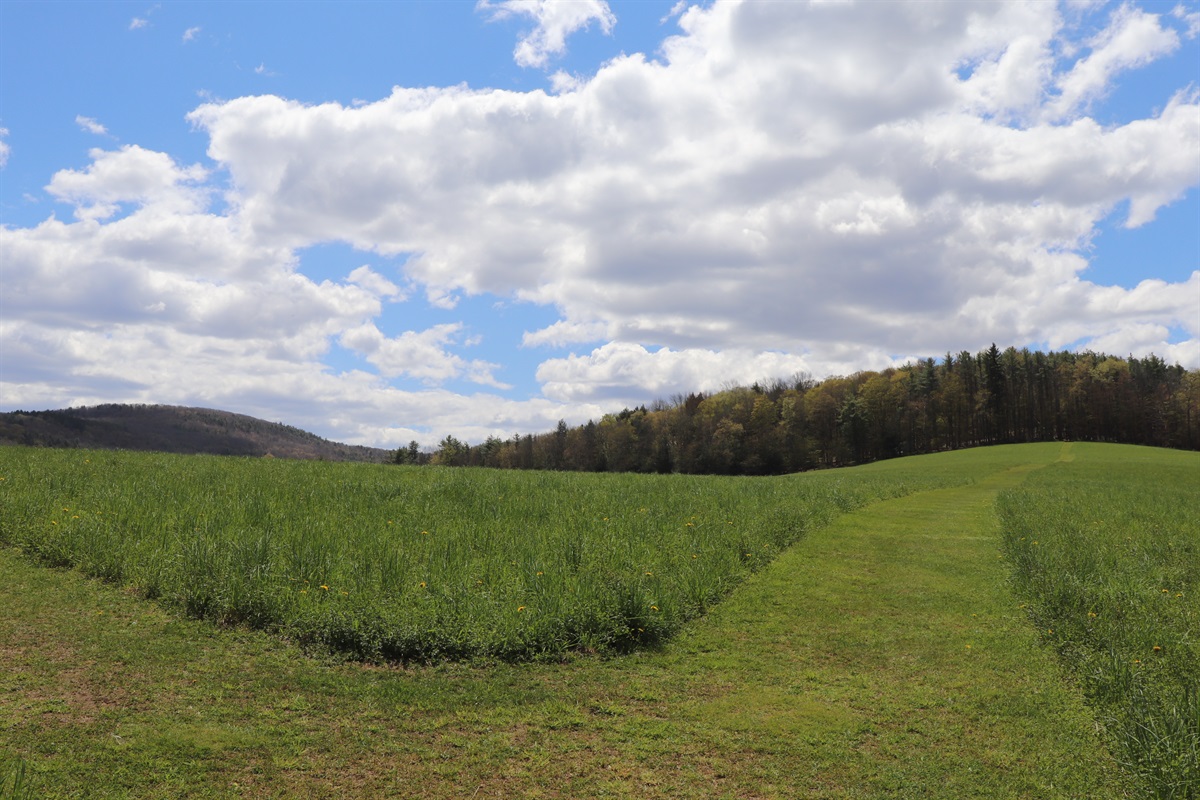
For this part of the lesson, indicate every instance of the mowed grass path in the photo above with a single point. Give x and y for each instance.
(883, 656)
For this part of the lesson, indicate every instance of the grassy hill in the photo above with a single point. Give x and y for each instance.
(906, 642)
(173, 429)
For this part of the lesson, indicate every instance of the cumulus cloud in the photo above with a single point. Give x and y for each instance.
(788, 187)
(90, 125)
(419, 354)
(787, 178)
(375, 283)
(129, 175)
(1133, 38)
(629, 372)
(555, 21)
(1189, 18)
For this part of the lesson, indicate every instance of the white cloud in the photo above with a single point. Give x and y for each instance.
(563, 333)
(791, 187)
(787, 179)
(137, 23)
(191, 33)
(90, 125)
(630, 372)
(555, 21)
(5, 150)
(677, 9)
(1132, 39)
(129, 175)
(419, 354)
(375, 283)
(1189, 18)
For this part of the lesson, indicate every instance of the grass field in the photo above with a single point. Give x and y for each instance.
(879, 649)
(1107, 551)
(391, 563)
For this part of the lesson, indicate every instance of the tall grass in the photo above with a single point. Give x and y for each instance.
(1107, 549)
(396, 563)
(14, 780)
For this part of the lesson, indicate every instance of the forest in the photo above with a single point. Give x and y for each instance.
(790, 425)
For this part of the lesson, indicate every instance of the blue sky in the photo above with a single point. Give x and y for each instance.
(385, 221)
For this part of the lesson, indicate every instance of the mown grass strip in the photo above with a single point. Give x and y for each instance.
(887, 656)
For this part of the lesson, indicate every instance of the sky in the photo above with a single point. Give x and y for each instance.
(382, 222)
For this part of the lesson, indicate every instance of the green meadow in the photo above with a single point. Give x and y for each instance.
(216, 627)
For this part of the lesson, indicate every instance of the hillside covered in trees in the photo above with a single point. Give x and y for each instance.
(173, 429)
(779, 426)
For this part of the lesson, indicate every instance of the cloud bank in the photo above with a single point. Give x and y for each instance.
(787, 187)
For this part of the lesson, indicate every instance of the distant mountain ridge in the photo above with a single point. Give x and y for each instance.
(174, 429)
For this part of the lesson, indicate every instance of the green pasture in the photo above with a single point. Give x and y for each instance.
(403, 563)
(1105, 546)
(894, 638)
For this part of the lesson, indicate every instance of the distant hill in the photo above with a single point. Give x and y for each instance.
(173, 429)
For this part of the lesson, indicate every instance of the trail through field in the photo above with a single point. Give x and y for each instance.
(887, 657)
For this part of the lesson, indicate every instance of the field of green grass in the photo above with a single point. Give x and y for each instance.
(872, 632)
(1106, 548)
(403, 563)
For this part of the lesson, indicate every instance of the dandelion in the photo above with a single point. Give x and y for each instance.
(325, 587)
(345, 594)
(1092, 614)
(695, 556)
(520, 609)
(422, 584)
(541, 573)
(1157, 649)
(649, 574)
(424, 533)
(1166, 591)
(654, 608)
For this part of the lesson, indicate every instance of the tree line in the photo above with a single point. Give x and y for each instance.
(790, 425)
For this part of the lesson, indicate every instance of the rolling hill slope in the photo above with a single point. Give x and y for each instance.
(174, 429)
